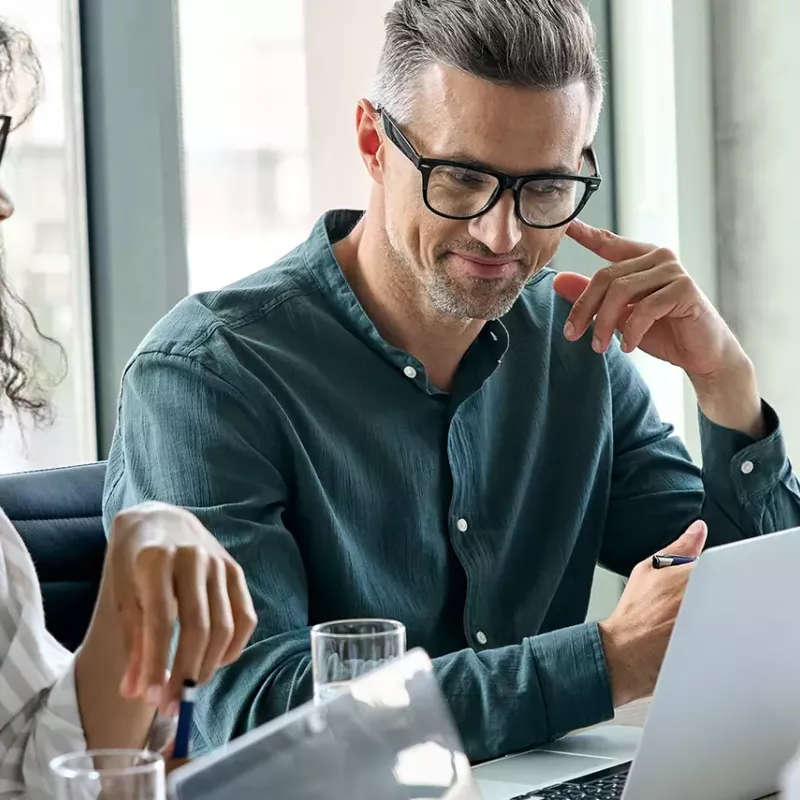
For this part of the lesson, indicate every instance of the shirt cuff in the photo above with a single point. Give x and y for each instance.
(753, 466)
(573, 677)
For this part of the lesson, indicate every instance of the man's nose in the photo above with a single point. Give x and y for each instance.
(6, 206)
(499, 228)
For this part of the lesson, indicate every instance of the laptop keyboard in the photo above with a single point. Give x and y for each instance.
(605, 785)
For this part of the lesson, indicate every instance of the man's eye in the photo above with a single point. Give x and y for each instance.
(465, 177)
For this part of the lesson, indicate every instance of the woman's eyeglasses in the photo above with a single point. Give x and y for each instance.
(5, 129)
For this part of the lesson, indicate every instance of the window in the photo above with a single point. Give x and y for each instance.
(45, 240)
(245, 135)
(269, 91)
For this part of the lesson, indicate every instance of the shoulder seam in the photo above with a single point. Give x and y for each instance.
(190, 357)
(259, 314)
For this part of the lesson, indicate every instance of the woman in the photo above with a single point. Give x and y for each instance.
(161, 566)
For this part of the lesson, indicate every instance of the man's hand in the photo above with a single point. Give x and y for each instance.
(648, 297)
(636, 635)
(162, 566)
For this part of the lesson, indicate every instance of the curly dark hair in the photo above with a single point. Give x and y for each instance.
(21, 390)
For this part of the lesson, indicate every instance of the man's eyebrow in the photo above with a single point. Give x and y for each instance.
(469, 161)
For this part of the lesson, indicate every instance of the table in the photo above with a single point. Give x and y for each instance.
(634, 714)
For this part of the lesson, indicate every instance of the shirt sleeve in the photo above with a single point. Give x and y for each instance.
(746, 488)
(39, 715)
(752, 479)
(54, 730)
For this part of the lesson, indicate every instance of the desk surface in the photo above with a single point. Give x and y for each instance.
(634, 714)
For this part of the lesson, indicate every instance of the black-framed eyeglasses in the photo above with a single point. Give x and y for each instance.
(456, 190)
(5, 129)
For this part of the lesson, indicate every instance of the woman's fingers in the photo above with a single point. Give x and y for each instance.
(175, 763)
(244, 615)
(153, 579)
(191, 565)
(167, 567)
(221, 618)
(134, 648)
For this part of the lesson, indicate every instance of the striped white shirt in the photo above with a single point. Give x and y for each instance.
(39, 716)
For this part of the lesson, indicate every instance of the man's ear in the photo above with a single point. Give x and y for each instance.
(369, 139)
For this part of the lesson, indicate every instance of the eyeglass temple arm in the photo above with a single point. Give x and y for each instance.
(5, 129)
(593, 161)
(396, 136)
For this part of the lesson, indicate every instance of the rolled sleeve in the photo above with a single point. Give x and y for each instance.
(573, 678)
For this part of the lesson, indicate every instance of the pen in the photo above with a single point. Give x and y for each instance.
(181, 748)
(667, 560)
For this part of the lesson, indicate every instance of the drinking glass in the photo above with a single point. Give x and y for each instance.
(110, 775)
(345, 649)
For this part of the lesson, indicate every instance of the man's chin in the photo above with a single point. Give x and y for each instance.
(476, 302)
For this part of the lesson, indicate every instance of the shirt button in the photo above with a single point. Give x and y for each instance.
(462, 525)
(748, 467)
(481, 637)
(410, 372)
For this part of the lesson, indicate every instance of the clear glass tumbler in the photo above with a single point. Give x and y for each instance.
(345, 649)
(110, 775)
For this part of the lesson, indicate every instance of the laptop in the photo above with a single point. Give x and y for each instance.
(725, 716)
(387, 735)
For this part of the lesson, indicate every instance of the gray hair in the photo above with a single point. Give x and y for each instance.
(538, 44)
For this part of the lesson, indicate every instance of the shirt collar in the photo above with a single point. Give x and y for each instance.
(321, 262)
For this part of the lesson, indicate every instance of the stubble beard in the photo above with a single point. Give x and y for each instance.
(469, 298)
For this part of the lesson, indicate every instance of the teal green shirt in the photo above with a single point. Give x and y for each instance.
(347, 485)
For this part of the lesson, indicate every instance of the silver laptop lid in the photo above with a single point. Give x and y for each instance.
(725, 716)
(389, 735)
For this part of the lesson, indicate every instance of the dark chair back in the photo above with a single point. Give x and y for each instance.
(58, 513)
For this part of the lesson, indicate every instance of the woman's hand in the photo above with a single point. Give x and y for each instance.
(171, 764)
(163, 566)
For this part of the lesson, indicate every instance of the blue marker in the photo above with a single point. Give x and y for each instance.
(185, 715)
(666, 560)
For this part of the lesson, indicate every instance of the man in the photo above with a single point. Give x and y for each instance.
(406, 417)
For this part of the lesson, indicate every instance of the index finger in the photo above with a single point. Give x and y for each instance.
(609, 246)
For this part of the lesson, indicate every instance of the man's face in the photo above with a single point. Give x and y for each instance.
(476, 269)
